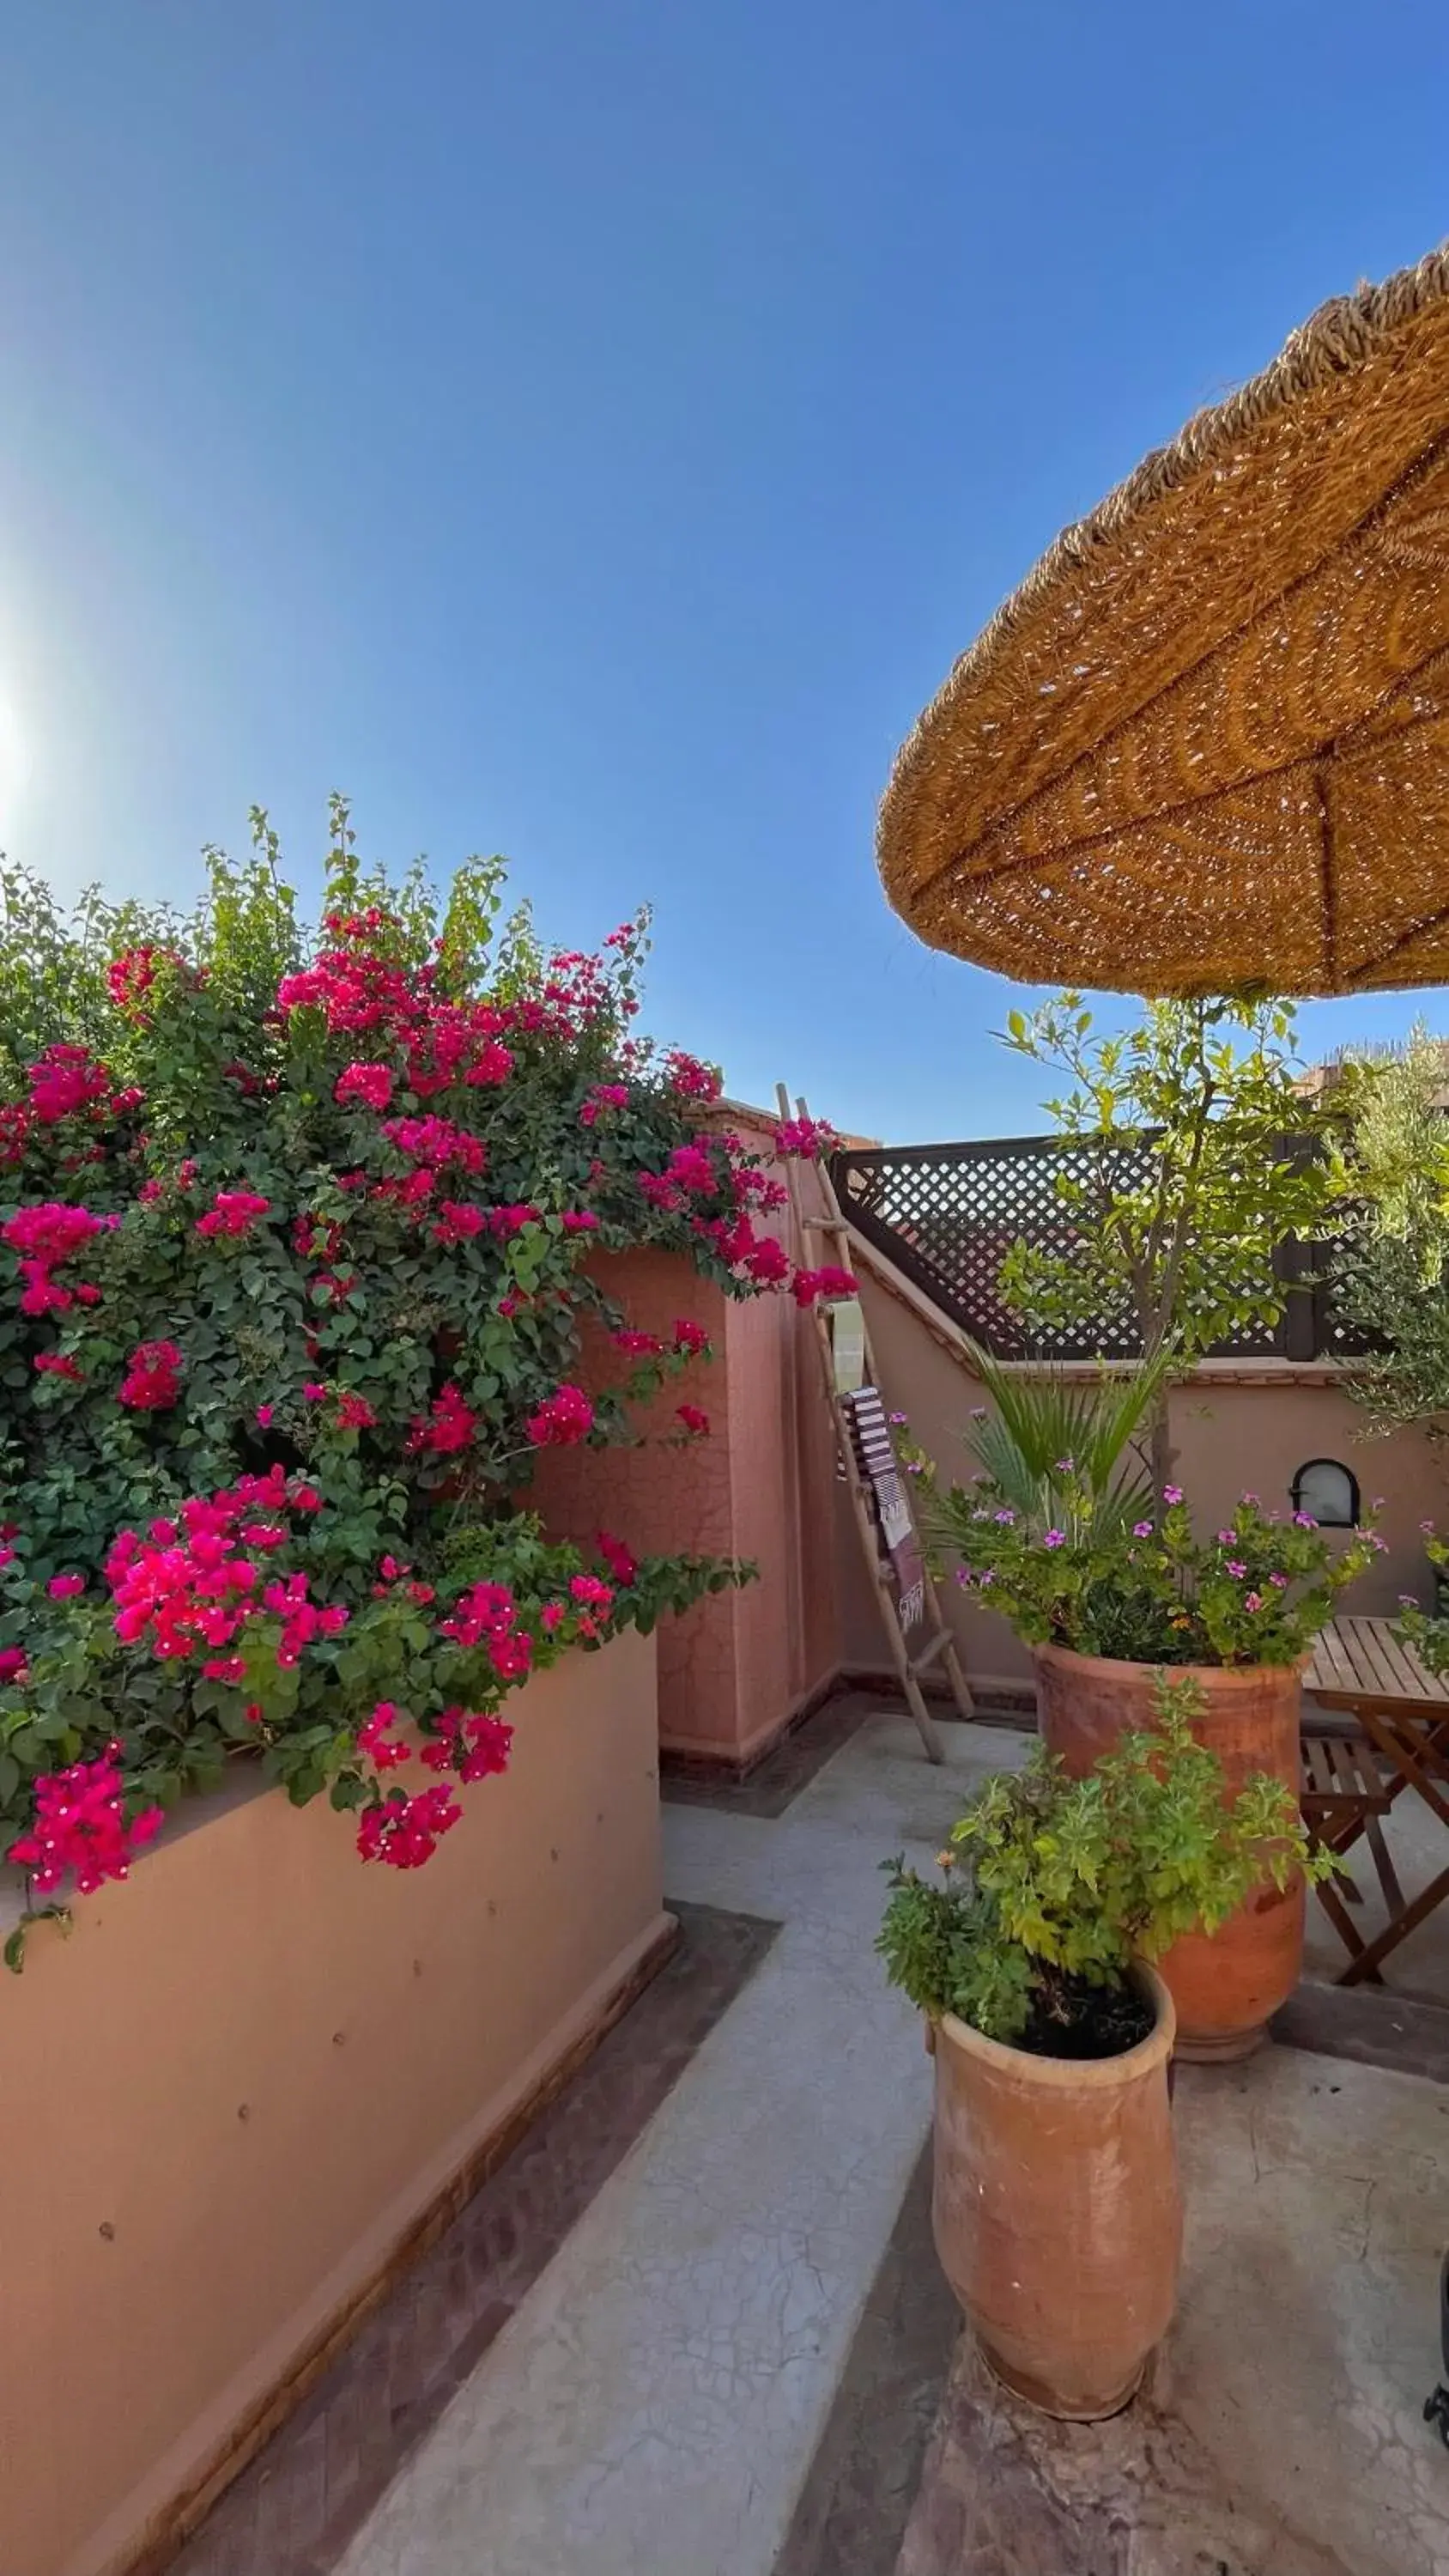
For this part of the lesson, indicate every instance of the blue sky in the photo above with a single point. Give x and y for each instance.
(591, 429)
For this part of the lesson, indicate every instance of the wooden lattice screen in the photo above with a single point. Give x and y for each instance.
(947, 1215)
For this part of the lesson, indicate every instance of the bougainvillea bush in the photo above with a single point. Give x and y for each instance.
(293, 1242)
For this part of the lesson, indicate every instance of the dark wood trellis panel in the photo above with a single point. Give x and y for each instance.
(947, 1215)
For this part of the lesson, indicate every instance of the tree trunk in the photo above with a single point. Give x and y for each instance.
(1163, 1453)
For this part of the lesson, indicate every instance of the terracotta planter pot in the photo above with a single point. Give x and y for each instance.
(1227, 1985)
(1056, 2211)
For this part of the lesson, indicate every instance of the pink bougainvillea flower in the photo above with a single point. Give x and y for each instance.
(689, 1079)
(13, 1667)
(620, 1560)
(695, 1422)
(447, 1428)
(372, 1084)
(808, 1137)
(313, 1391)
(638, 1345)
(809, 1286)
(505, 1221)
(476, 1746)
(493, 1063)
(768, 1263)
(604, 1095)
(65, 1080)
(64, 1587)
(152, 1382)
(354, 1413)
(458, 1221)
(80, 1827)
(264, 1416)
(405, 1832)
(233, 1213)
(693, 1168)
(690, 1339)
(590, 1592)
(436, 1142)
(563, 1419)
(57, 1364)
(376, 1740)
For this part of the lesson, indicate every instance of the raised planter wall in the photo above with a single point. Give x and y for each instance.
(251, 2073)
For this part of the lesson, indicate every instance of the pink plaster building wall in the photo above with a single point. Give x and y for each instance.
(759, 1484)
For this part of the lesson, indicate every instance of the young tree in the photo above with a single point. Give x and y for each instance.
(1193, 1154)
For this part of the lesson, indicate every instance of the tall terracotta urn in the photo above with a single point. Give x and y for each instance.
(1056, 2210)
(1226, 1985)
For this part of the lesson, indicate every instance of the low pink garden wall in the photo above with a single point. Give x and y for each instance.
(256, 2065)
(760, 1484)
(1235, 1426)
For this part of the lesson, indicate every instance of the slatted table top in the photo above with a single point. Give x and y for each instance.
(1360, 1662)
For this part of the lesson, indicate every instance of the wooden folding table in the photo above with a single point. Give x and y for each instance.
(1354, 1774)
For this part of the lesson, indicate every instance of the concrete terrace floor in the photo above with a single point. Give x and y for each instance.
(654, 2405)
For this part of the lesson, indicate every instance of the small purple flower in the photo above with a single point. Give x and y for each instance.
(1142, 1529)
(1226, 1537)
(900, 1420)
(1428, 1528)
(963, 1577)
(1236, 1568)
(1304, 1520)
(1377, 1504)
(1253, 1601)
(1279, 1582)
(1379, 1545)
(988, 1577)
(1407, 1601)
(1252, 1499)
(1006, 1516)
(913, 1466)
(1172, 1493)
(1065, 1467)
(1055, 1538)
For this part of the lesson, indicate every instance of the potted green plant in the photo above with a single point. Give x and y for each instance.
(1103, 1602)
(1056, 2206)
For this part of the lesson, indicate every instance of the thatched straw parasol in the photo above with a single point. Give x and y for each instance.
(1206, 745)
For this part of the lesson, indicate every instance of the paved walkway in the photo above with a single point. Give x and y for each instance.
(653, 2407)
(654, 2404)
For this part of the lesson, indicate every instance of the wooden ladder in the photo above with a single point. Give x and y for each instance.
(831, 1233)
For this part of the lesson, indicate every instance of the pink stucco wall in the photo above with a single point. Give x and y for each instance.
(227, 2098)
(1236, 1428)
(759, 1485)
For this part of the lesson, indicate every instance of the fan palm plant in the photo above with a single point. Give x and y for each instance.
(1046, 1429)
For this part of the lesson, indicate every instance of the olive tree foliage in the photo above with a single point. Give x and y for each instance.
(1392, 1268)
(1192, 1154)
